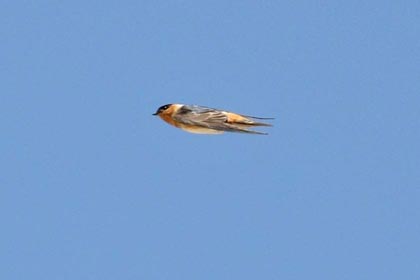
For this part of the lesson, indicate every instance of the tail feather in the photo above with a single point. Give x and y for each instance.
(248, 131)
(252, 123)
(260, 124)
(240, 128)
(258, 118)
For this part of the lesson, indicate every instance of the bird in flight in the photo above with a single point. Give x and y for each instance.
(204, 120)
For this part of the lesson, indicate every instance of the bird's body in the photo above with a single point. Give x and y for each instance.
(204, 120)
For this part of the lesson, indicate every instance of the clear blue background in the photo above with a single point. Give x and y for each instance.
(94, 187)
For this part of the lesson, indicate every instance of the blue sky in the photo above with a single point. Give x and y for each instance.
(95, 187)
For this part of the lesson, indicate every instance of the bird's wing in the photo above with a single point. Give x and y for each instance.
(199, 115)
(209, 118)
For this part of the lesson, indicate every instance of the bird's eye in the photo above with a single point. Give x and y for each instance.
(164, 107)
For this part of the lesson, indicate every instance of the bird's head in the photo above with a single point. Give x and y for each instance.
(162, 109)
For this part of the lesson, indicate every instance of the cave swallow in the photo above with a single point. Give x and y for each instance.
(204, 120)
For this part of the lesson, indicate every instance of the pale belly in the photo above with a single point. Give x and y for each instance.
(201, 130)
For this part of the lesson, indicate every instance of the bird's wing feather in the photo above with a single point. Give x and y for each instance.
(198, 115)
(209, 118)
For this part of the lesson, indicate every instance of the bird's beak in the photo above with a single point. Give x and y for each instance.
(155, 114)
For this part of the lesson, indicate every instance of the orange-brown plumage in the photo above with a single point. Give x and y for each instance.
(235, 118)
(167, 115)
